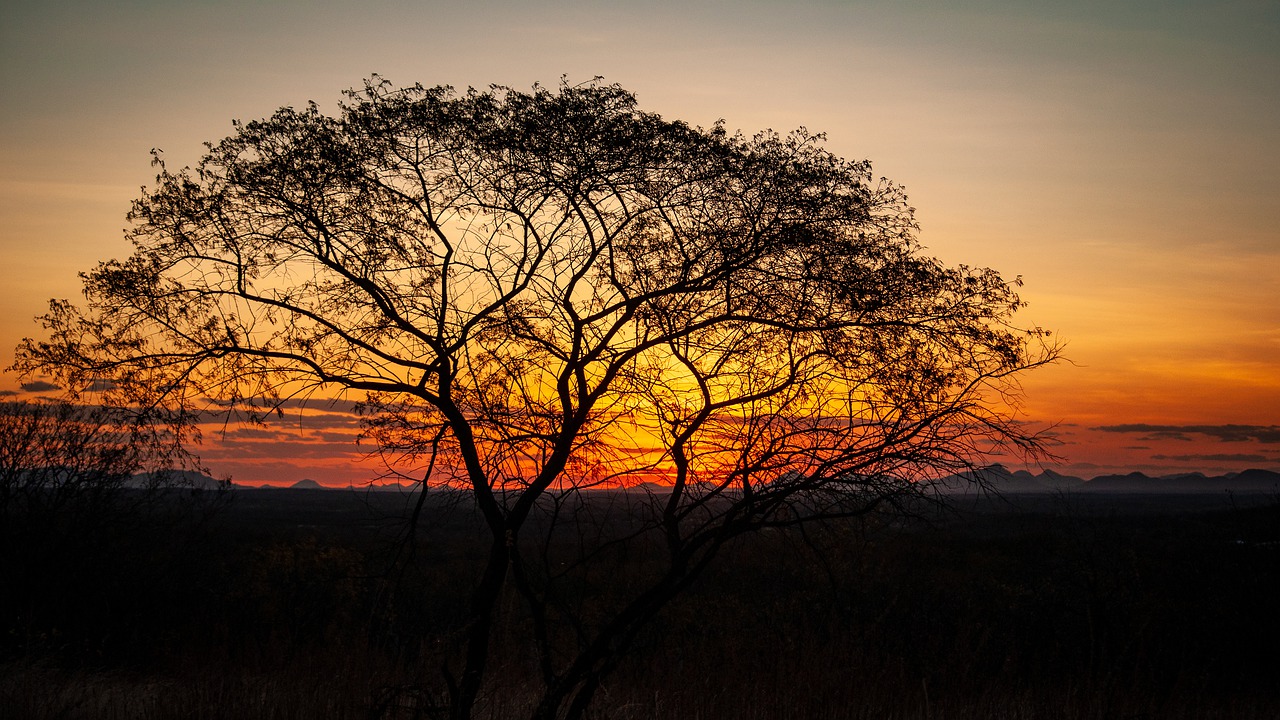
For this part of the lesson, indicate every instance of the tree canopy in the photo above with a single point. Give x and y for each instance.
(533, 293)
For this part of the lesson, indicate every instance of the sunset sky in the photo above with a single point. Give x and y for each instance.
(1123, 158)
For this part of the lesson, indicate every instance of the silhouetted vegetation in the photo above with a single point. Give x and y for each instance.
(1050, 606)
(534, 294)
(91, 509)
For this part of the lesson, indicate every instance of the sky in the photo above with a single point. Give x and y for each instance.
(1122, 158)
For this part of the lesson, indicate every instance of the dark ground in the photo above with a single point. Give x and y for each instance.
(1028, 606)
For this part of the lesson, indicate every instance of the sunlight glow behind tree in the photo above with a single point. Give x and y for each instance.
(533, 293)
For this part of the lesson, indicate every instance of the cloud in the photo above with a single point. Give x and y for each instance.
(307, 434)
(326, 422)
(8, 393)
(317, 405)
(256, 433)
(311, 405)
(39, 386)
(291, 449)
(336, 437)
(1214, 458)
(1078, 466)
(309, 420)
(1224, 433)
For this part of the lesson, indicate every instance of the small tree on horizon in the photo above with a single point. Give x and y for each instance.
(536, 292)
(84, 487)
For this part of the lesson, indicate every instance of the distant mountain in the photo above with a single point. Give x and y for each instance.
(307, 484)
(1000, 479)
(187, 479)
(386, 487)
(1253, 477)
(1136, 482)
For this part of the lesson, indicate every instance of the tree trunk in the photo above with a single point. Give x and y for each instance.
(480, 627)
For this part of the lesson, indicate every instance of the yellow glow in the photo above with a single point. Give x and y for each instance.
(1125, 165)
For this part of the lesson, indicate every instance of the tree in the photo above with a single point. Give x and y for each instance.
(59, 456)
(87, 492)
(537, 293)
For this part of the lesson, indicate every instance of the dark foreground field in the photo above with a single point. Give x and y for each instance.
(1022, 607)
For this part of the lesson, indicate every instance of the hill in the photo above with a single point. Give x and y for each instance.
(1000, 479)
(1249, 481)
(187, 479)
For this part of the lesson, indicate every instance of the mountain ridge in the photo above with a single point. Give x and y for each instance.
(1000, 479)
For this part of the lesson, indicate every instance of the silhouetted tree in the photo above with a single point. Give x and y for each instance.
(536, 293)
(84, 488)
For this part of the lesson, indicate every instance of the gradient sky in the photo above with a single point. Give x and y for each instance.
(1123, 158)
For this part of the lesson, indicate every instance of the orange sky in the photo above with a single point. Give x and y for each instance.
(1124, 160)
